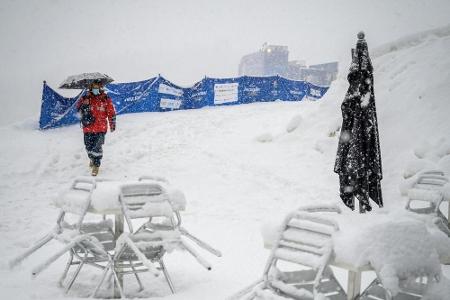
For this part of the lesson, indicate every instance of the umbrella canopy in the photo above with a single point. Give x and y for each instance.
(358, 160)
(82, 81)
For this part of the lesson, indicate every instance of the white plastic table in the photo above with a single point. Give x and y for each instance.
(395, 235)
(360, 235)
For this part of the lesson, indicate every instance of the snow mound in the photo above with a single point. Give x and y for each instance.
(265, 138)
(396, 256)
(294, 123)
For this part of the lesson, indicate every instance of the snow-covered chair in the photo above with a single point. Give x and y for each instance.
(178, 202)
(86, 243)
(427, 195)
(140, 250)
(297, 267)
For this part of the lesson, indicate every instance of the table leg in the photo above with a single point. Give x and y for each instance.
(118, 230)
(448, 214)
(353, 285)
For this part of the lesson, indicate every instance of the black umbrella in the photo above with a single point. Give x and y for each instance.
(358, 160)
(82, 81)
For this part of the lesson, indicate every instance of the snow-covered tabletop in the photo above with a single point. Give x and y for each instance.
(105, 197)
(360, 234)
(396, 245)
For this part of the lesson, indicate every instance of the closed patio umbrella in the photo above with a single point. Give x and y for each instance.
(358, 160)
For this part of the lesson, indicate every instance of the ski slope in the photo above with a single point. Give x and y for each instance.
(239, 167)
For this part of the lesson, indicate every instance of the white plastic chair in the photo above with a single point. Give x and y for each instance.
(426, 197)
(305, 243)
(138, 251)
(177, 207)
(86, 243)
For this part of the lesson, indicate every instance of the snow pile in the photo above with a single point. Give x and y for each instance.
(398, 251)
(355, 236)
(294, 123)
(105, 196)
(74, 201)
(264, 138)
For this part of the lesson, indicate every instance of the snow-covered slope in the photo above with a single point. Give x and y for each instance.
(238, 166)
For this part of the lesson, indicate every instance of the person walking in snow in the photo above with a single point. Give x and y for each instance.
(97, 110)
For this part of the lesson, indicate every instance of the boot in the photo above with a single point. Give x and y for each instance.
(91, 164)
(94, 170)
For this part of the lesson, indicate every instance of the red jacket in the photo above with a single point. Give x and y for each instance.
(102, 109)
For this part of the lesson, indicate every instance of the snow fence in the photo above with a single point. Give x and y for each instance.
(158, 94)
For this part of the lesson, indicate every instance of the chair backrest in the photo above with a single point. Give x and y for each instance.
(144, 200)
(427, 189)
(77, 200)
(153, 178)
(324, 208)
(431, 180)
(177, 199)
(305, 239)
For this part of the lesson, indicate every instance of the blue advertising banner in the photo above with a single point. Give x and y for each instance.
(260, 89)
(315, 92)
(130, 97)
(56, 110)
(159, 94)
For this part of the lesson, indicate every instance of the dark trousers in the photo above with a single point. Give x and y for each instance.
(94, 143)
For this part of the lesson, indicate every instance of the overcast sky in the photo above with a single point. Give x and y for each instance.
(182, 40)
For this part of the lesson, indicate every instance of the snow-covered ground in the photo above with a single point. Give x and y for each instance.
(239, 167)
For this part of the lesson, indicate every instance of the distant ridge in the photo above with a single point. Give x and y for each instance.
(410, 40)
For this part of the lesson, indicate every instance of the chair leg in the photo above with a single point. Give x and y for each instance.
(116, 279)
(109, 280)
(66, 270)
(75, 275)
(141, 288)
(251, 296)
(248, 289)
(194, 253)
(105, 272)
(30, 250)
(166, 274)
